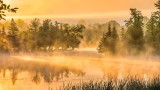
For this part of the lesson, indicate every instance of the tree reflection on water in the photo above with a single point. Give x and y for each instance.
(37, 70)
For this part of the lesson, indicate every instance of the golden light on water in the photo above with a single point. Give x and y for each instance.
(100, 66)
(85, 63)
(94, 66)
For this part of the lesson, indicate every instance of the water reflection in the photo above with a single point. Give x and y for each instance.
(14, 76)
(37, 70)
(50, 72)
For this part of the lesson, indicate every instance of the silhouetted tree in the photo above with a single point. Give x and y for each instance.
(114, 42)
(32, 37)
(12, 36)
(153, 30)
(74, 36)
(104, 43)
(13, 28)
(3, 42)
(122, 33)
(44, 39)
(134, 39)
(59, 36)
(157, 4)
(3, 8)
(68, 36)
(109, 41)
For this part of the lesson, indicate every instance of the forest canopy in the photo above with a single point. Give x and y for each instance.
(140, 34)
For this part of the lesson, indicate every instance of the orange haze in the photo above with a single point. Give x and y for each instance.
(80, 8)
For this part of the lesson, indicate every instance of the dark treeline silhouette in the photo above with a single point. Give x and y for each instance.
(135, 39)
(46, 36)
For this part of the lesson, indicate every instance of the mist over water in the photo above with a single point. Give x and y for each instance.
(44, 70)
(75, 45)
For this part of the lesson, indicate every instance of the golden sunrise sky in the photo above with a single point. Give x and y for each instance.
(79, 8)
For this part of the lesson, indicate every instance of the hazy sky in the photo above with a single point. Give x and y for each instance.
(80, 8)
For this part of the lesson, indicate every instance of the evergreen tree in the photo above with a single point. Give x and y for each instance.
(32, 36)
(105, 41)
(52, 35)
(59, 36)
(153, 30)
(23, 40)
(122, 33)
(109, 41)
(114, 33)
(12, 36)
(34, 25)
(134, 39)
(13, 28)
(66, 36)
(157, 16)
(3, 42)
(114, 42)
(44, 41)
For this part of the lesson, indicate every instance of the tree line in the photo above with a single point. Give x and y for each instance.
(46, 36)
(49, 35)
(134, 40)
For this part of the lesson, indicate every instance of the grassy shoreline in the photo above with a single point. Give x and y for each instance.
(130, 83)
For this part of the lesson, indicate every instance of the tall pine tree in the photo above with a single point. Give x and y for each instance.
(109, 41)
(134, 38)
(153, 30)
(12, 37)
